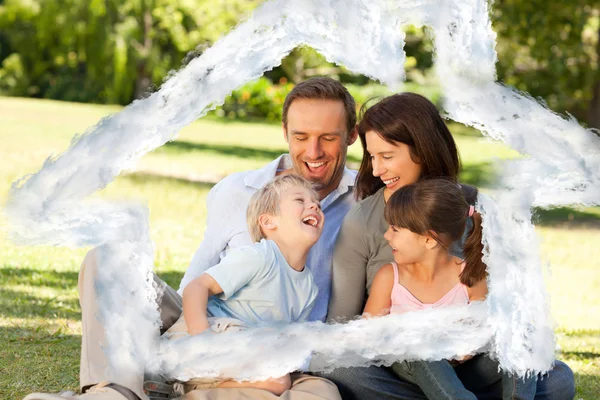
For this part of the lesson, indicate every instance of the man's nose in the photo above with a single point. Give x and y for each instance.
(314, 150)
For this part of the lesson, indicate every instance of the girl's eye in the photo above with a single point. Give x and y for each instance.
(394, 229)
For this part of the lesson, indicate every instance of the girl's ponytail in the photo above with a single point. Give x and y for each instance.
(475, 269)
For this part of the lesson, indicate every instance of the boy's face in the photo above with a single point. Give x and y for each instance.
(300, 216)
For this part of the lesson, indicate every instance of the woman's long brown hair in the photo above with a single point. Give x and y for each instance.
(437, 207)
(411, 119)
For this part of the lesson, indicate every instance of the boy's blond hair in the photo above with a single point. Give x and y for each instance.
(267, 199)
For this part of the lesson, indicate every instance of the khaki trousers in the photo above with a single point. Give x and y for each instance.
(94, 364)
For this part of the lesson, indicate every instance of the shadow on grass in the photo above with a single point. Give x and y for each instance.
(159, 180)
(266, 155)
(581, 354)
(17, 304)
(180, 146)
(567, 217)
(10, 275)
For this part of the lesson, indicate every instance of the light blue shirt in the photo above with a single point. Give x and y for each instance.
(226, 226)
(259, 286)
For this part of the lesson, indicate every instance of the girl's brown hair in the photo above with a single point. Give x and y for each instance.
(437, 207)
(411, 119)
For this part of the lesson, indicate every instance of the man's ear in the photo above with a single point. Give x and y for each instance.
(352, 136)
(267, 222)
(285, 135)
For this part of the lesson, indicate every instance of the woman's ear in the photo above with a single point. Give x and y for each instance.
(267, 222)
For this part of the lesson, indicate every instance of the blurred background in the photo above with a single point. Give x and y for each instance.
(114, 51)
(65, 64)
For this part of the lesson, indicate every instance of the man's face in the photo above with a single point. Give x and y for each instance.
(318, 141)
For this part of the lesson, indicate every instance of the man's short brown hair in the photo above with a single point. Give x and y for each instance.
(322, 88)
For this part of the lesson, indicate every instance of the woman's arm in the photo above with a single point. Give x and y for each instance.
(195, 301)
(349, 273)
(380, 300)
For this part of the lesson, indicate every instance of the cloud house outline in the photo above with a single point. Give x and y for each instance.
(52, 206)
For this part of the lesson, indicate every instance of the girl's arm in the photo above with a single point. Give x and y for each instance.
(349, 270)
(380, 301)
(195, 300)
(478, 291)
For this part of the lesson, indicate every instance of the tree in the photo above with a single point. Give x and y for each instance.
(104, 50)
(551, 49)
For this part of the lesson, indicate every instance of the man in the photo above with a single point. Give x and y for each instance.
(319, 117)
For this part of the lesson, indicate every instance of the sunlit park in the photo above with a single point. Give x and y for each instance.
(63, 67)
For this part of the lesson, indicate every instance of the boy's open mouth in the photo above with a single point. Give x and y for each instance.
(311, 220)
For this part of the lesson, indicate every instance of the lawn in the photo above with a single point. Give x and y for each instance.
(39, 311)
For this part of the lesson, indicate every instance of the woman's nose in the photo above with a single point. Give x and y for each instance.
(377, 168)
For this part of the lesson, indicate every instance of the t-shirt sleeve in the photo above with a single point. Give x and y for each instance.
(349, 275)
(240, 267)
(310, 304)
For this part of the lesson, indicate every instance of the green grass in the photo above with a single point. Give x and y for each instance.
(39, 311)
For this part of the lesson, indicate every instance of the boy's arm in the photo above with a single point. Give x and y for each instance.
(195, 301)
(380, 301)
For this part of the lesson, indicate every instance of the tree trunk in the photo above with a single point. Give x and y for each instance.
(593, 118)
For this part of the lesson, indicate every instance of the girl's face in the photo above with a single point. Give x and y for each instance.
(391, 163)
(407, 247)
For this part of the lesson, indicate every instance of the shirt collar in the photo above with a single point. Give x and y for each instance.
(260, 177)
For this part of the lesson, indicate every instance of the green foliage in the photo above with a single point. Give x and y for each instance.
(259, 99)
(550, 49)
(104, 50)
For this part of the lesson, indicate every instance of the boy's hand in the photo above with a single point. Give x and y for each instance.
(199, 328)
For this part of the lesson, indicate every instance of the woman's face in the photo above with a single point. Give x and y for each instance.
(391, 163)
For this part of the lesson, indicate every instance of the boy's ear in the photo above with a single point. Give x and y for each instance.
(267, 222)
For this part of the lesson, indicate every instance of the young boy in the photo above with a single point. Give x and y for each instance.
(263, 283)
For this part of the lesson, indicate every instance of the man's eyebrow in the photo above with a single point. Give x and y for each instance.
(322, 134)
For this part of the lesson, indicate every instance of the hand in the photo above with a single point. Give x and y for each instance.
(460, 360)
(200, 327)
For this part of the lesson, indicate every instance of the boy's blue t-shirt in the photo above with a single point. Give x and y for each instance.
(259, 286)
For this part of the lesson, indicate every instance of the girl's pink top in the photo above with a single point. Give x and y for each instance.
(404, 301)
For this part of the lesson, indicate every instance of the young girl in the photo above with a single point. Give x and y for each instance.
(425, 219)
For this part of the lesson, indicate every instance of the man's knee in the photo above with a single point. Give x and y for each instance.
(88, 269)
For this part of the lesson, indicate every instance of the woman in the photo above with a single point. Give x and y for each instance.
(404, 140)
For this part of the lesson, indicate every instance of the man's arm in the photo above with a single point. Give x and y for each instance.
(222, 214)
